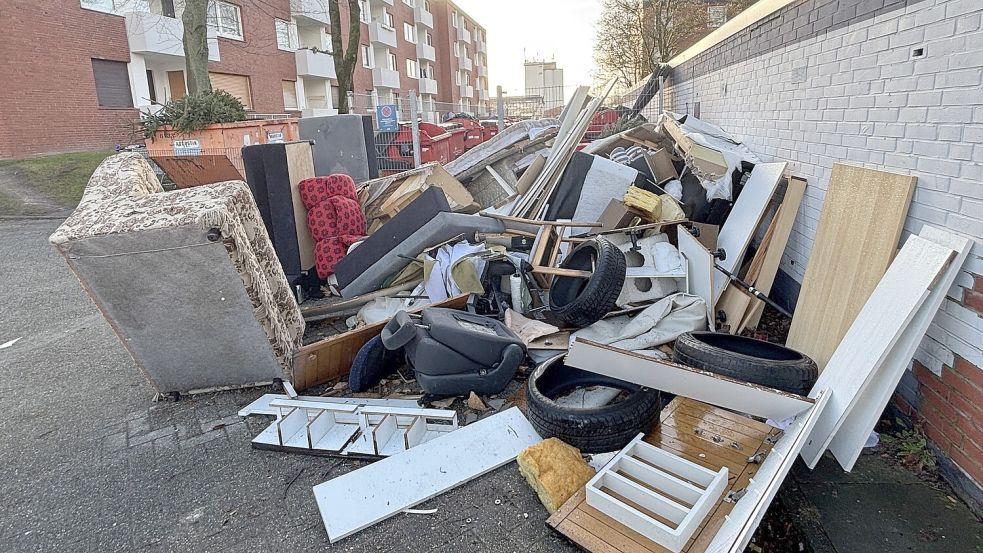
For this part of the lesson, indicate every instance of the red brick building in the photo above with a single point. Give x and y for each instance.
(125, 56)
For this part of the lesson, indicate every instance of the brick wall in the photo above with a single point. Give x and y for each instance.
(258, 56)
(825, 81)
(48, 98)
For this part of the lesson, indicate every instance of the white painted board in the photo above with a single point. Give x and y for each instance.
(261, 406)
(874, 333)
(697, 384)
(848, 441)
(740, 523)
(361, 498)
(700, 268)
(744, 219)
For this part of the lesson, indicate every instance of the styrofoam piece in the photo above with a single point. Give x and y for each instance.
(874, 333)
(859, 421)
(740, 524)
(361, 498)
(261, 406)
(668, 479)
(744, 218)
(697, 384)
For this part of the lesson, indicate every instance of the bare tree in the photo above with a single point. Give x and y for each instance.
(195, 19)
(345, 59)
(634, 36)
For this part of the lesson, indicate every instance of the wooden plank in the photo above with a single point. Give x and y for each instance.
(744, 219)
(300, 166)
(331, 358)
(781, 230)
(875, 332)
(188, 171)
(363, 497)
(686, 381)
(596, 532)
(857, 237)
(849, 440)
(530, 174)
(734, 304)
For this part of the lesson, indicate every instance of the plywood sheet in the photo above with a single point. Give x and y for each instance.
(300, 166)
(596, 532)
(857, 237)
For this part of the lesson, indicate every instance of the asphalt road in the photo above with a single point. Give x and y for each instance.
(90, 463)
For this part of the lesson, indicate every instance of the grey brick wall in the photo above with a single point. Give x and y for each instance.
(823, 81)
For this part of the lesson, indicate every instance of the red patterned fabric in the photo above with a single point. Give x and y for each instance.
(334, 218)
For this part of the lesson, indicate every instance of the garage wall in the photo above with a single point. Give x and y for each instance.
(882, 83)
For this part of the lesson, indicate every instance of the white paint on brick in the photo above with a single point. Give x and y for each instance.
(854, 93)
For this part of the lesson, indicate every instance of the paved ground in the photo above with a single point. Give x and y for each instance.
(91, 464)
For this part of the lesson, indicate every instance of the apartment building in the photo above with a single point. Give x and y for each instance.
(115, 58)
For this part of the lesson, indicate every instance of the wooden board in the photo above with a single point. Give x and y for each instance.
(331, 358)
(857, 237)
(699, 265)
(370, 494)
(674, 378)
(780, 230)
(188, 171)
(744, 218)
(875, 332)
(596, 532)
(848, 442)
(300, 166)
(734, 303)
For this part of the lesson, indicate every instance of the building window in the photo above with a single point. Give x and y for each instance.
(289, 95)
(236, 85)
(365, 11)
(716, 15)
(286, 35)
(328, 45)
(367, 57)
(457, 77)
(454, 19)
(112, 84)
(388, 21)
(393, 62)
(428, 38)
(226, 19)
(457, 49)
(412, 69)
(409, 32)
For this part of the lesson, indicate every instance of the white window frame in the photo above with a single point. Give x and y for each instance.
(412, 68)
(366, 11)
(454, 21)
(328, 45)
(409, 32)
(368, 57)
(222, 27)
(457, 77)
(410, 3)
(288, 30)
(296, 106)
(388, 21)
(457, 49)
(393, 61)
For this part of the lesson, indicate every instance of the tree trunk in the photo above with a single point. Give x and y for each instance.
(196, 46)
(345, 59)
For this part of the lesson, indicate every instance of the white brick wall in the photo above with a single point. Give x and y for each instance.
(853, 93)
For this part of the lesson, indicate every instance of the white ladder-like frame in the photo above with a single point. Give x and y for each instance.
(675, 489)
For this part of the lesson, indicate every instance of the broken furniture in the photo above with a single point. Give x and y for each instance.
(858, 234)
(454, 352)
(383, 198)
(334, 218)
(343, 144)
(666, 497)
(273, 173)
(370, 494)
(351, 429)
(188, 279)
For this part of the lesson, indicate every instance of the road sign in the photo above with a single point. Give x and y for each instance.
(388, 120)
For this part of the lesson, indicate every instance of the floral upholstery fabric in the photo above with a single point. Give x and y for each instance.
(334, 218)
(123, 195)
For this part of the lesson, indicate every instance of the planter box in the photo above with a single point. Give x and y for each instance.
(220, 139)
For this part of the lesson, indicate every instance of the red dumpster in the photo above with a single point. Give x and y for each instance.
(489, 128)
(458, 134)
(395, 148)
(474, 134)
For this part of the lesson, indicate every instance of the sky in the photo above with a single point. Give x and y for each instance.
(554, 30)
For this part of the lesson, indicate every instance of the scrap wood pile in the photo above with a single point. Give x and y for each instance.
(602, 279)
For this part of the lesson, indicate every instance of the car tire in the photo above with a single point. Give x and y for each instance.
(590, 429)
(747, 359)
(584, 301)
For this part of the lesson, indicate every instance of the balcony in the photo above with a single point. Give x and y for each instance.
(428, 86)
(314, 12)
(482, 71)
(386, 2)
(425, 52)
(150, 33)
(483, 95)
(466, 91)
(315, 64)
(464, 35)
(422, 16)
(464, 63)
(385, 78)
(482, 46)
(318, 112)
(382, 34)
